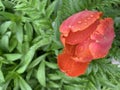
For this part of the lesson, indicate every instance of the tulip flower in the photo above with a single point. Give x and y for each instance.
(85, 37)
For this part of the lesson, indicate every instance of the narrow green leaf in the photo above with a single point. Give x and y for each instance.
(41, 74)
(16, 84)
(19, 33)
(10, 16)
(42, 42)
(12, 43)
(13, 56)
(4, 27)
(54, 77)
(42, 6)
(1, 88)
(19, 47)
(29, 30)
(26, 60)
(37, 61)
(37, 39)
(51, 65)
(2, 7)
(30, 54)
(53, 84)
(50, 9)
(2, 79)
(69, 87)
(2, 60)
(23, 84)
(4, 42)
(29, 74)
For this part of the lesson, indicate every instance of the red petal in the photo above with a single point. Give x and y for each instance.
(103, 38)
(62, 38)
(85, 19)
(83, 53)
(80, 36)
(79, 21)
(71, 67)
(70, 49)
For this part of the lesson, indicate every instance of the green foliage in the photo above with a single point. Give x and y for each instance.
(29, 45)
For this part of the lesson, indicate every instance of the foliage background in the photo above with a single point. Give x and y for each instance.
(29, 45)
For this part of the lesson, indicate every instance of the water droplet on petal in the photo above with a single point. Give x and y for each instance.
(88, 18)
(97, 41)
(79, 22)
(85, 23)
(91, 15)
(69, 26)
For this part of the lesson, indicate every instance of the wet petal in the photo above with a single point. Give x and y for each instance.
(85, 19)
(83, 53)
(80, 36)
(70, 66)
(79, 21)
(70, 49)
(62, 38)
(103, 38)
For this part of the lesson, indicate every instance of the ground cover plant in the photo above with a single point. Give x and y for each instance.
(30, 43)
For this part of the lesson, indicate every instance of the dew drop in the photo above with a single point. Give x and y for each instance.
(91, 15)
(97, 41)
(79, 22)
(69, 26)
(88, 18)
(85, 23)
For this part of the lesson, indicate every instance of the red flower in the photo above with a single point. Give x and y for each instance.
(85, 37)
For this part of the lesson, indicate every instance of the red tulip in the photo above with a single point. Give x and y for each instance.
(85, 37)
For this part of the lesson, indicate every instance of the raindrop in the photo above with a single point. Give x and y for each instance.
(85, 23)
(91, 15)
(97, 41)
(79, 22)
(88, 18)
(69, 26)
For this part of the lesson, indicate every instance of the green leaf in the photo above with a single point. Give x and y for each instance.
(2, 79)
(41, 74)
(4, 42)
(50, 9)
(42, 6)
(29, 30)
(13, 56)
(4, 27)
(69, 87)
(12, 43)
(30, 54)
(16, 84)
(37, 61)
(19, 33)
(26, 60)
(2, 7)
(53, 84)
(54, 77)
(42, 42)
(51, 65)
(23, 84)
(10, 16)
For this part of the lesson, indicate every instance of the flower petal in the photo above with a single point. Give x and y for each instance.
(83, 53)
(70, 66)
(70, 49)
(79, 21)
(80, 36)
(62, 38)
(103, 38)
(85, 19)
